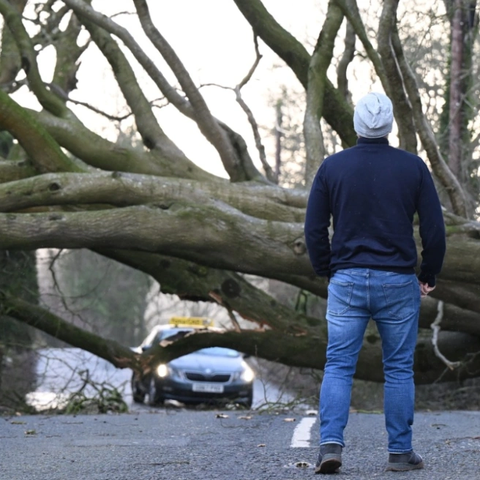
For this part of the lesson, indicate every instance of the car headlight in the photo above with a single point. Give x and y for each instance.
(247, 374)
(162, 370)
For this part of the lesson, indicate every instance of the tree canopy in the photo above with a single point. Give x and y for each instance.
(139, 199)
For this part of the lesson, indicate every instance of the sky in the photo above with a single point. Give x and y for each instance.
(215, 43)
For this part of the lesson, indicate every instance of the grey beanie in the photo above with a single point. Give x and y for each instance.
(373, 116)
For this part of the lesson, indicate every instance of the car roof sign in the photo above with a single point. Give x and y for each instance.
(195, 322)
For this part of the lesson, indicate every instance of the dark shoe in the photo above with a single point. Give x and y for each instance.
(402, 462)
(329, 458)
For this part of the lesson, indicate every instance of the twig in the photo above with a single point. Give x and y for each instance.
(435, 326)
(247, 110)
(249, 113)
(100, 112)
(233, 319)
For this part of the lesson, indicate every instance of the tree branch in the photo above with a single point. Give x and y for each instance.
(179, 101)
(154, 138)
(67, 48)
(10, 58)
(215, 230)
(395, 87)
(455, 319)
(100, 153)
(11, 170)
(269, 344)
(317, 78)
(55, 326)
(205, 121)
(251, 119)
(337, 112)
(37, 143)
(435, 326)
(440, 169)
(453, 287)
(48, 100)
(351, 12)
(385, 67)
(239, 169)
(192, 281)
(127, 189)
(345, 61)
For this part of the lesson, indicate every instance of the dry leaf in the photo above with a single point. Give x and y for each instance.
(289, 420)
(221, 415)
(30, 432)
(261, 445)
(245, 417)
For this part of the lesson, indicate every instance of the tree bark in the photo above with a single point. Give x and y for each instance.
(270, 344)
(317, 75)
(456, 73)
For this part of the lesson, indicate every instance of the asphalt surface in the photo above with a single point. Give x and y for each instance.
(227, 445)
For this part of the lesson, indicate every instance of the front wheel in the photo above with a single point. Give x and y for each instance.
(137, 394)
(154, 397)
(248, 403)
(250, 399)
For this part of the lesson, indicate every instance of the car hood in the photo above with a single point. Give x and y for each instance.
(201, 361)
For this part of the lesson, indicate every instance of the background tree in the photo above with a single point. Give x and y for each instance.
(197, 234)
(96, 294)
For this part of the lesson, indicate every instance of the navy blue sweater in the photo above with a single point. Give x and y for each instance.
(372, 191)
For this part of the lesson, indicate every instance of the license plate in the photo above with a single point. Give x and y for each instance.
(207, 388)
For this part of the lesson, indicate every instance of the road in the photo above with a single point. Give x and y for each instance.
(179, 444)
(182, 444)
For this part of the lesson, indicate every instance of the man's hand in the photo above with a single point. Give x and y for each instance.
(425, 289)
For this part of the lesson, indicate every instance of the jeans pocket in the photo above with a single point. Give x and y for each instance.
(400, 299)
(339, 297)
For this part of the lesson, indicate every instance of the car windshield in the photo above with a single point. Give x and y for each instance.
(212, 351)
(219, 352)
(173, 331)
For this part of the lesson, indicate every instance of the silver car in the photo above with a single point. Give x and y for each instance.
(209, 375)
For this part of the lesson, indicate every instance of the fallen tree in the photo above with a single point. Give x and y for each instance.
(63, 185)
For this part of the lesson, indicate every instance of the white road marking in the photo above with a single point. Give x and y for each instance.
(301, 434)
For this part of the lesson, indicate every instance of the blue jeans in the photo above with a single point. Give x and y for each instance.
(392, 300)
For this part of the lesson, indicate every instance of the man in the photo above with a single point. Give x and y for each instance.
(372, 192)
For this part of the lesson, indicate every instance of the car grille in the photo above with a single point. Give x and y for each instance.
(200, 377)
